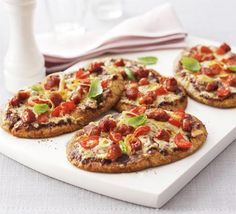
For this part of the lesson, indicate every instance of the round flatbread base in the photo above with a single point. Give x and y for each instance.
(229, 102)
(138, 162)
(83, 117)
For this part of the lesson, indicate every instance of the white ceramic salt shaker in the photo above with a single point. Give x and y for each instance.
(23, 64)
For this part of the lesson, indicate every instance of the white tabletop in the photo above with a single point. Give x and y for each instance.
(23, 190)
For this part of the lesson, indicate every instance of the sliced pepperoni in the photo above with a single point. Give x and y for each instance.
(208, 57)
(171, 84)
(143, 81)
(104, 83)
(135, 144)
(175, 122)
(187, 124)
(96, 67)
(142, 130)
(56, 99)
(43, 118)
(223, 92)
(119, 63)
(210, 71)
(56, 112)
(206, 50)
(68, 107)
(199, 57)
(132, 93)
(212, 86)
(63, 109)
(146, 99)
(107, 124)
(89, 142)
(231, 80)
(140, 94)
(76, 98)
(138, 110)
(81, 74)
(203, 57)
(161, 91)
(15, 102)
(231, 60)
(163, 134)
(159, 115)
(141, 73)
(19, 98)
(23, 95)
(115, 136)
(216, 68)
(40, 101)
(207, 71)
(180, 114)
(223, 49)
(95, 131)
(181, 143)
(114, 152)
(52, 81)
(152, 94)
(124, 129)
(28, 116)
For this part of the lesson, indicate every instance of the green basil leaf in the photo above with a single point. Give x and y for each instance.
(129, 73)
(191, 64)
(232, 68)
(36, 88)
(95, 88)
(137, 121)
(123, 147)
(40, 108)
(148, 60)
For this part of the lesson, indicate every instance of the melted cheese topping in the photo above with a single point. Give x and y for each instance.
(190, 79)
(149, 141)
(68, 87)
(170, 97)
(134, 65)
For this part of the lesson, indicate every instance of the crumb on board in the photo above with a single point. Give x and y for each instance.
(48, 143)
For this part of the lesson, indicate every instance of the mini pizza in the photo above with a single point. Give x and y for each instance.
(146, 87)
(63, 102)
(208, 74)
(134, 140)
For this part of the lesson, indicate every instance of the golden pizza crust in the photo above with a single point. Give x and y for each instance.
(83, 117)
(138, 162)
(229, 102)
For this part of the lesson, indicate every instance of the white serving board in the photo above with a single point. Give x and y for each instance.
(152, 187)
